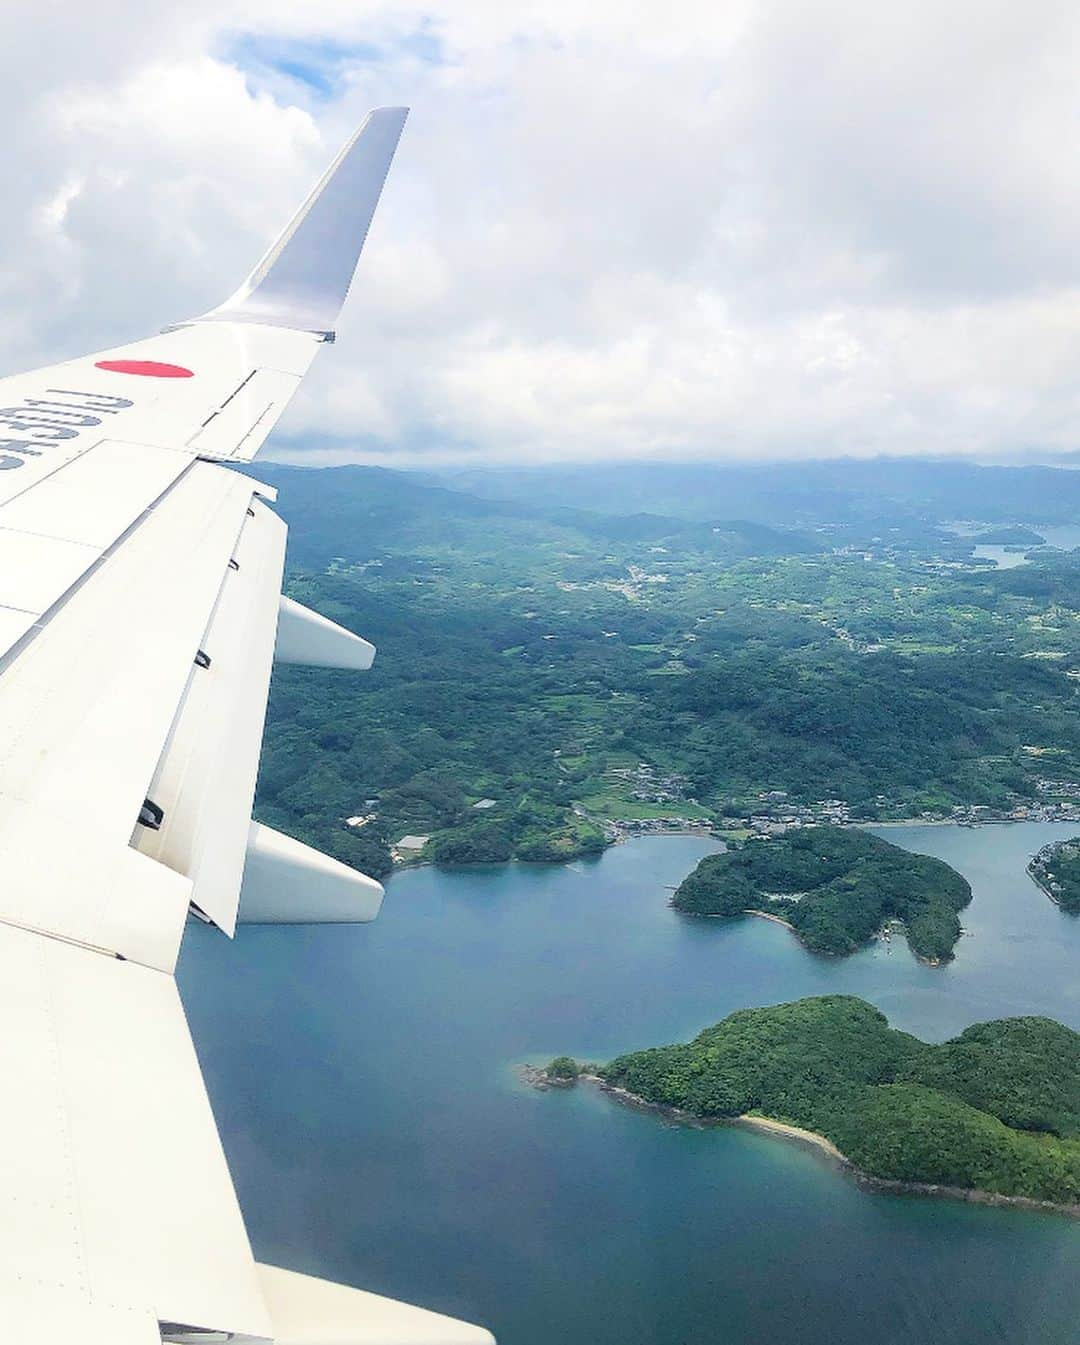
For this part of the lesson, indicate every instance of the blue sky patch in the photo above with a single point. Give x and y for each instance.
(320, 65)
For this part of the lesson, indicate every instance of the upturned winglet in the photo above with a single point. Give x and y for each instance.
(302, 281)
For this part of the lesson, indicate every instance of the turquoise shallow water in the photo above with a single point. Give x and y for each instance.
(363, 1080)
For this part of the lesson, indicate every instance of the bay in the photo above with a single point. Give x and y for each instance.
(365, 1083)
(1003, 557)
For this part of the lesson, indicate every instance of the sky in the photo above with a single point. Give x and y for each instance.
(686, 231)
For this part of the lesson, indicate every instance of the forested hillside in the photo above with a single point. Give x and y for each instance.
(836, 887)
(996, 1109)
(574, 672)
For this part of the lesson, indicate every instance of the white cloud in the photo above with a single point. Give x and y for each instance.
(615, 229)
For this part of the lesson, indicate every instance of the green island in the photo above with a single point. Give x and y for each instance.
(994, 1111)
(1056, 869)
(1014, 536)
(568, 658)
(835, 887)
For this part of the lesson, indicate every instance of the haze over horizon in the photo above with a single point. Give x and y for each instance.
(773, 232)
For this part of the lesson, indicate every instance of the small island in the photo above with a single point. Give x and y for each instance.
(1056, 869)
(835, 887)
(991, 1115)
(1010, 535)
(563, 1069)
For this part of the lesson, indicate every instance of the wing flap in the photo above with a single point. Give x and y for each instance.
(309, 1311)
(206, 778)
(113, 1184)
(85, 747)
(104, 896)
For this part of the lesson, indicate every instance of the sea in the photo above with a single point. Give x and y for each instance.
(367, 1085)
(1064, 536)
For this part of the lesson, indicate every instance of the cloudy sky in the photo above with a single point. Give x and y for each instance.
(760, 229)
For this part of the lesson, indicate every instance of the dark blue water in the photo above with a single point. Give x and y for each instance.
(363, 1080)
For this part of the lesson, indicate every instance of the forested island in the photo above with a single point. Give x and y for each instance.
(995, 1110)
(1014, 536)
(836, 887)
(1056, 869)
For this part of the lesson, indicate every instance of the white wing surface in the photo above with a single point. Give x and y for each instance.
(140, 585)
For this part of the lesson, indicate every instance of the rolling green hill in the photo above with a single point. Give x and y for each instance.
(996, 1109)
(836, 887)
(536, 654)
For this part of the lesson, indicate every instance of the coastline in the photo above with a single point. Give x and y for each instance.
(704, 832)
(936, 822)
(1040, 884)
(699, 833)
(779, 920)
(823, 1146)
(1040, 857)
(811, 1138)
(764, 915)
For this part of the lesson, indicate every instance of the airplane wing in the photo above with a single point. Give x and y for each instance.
(140, 613)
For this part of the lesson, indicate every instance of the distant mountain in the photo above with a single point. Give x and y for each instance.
(792, 494)
(358, 513)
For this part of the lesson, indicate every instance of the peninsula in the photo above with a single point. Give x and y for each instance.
(1056, 869)
(835, 887)
(992, 1114)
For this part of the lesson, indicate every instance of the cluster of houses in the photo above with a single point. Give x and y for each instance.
(1060, 802)
(650, 785)
(617, 828)
(778, 814)
(1045, 810)
(1058, 789)
(1041, 866)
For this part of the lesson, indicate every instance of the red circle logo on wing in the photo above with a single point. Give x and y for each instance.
(145, 368)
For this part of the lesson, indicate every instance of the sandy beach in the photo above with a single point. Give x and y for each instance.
(792, 1132)
(768, 915)
(820, 1144)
